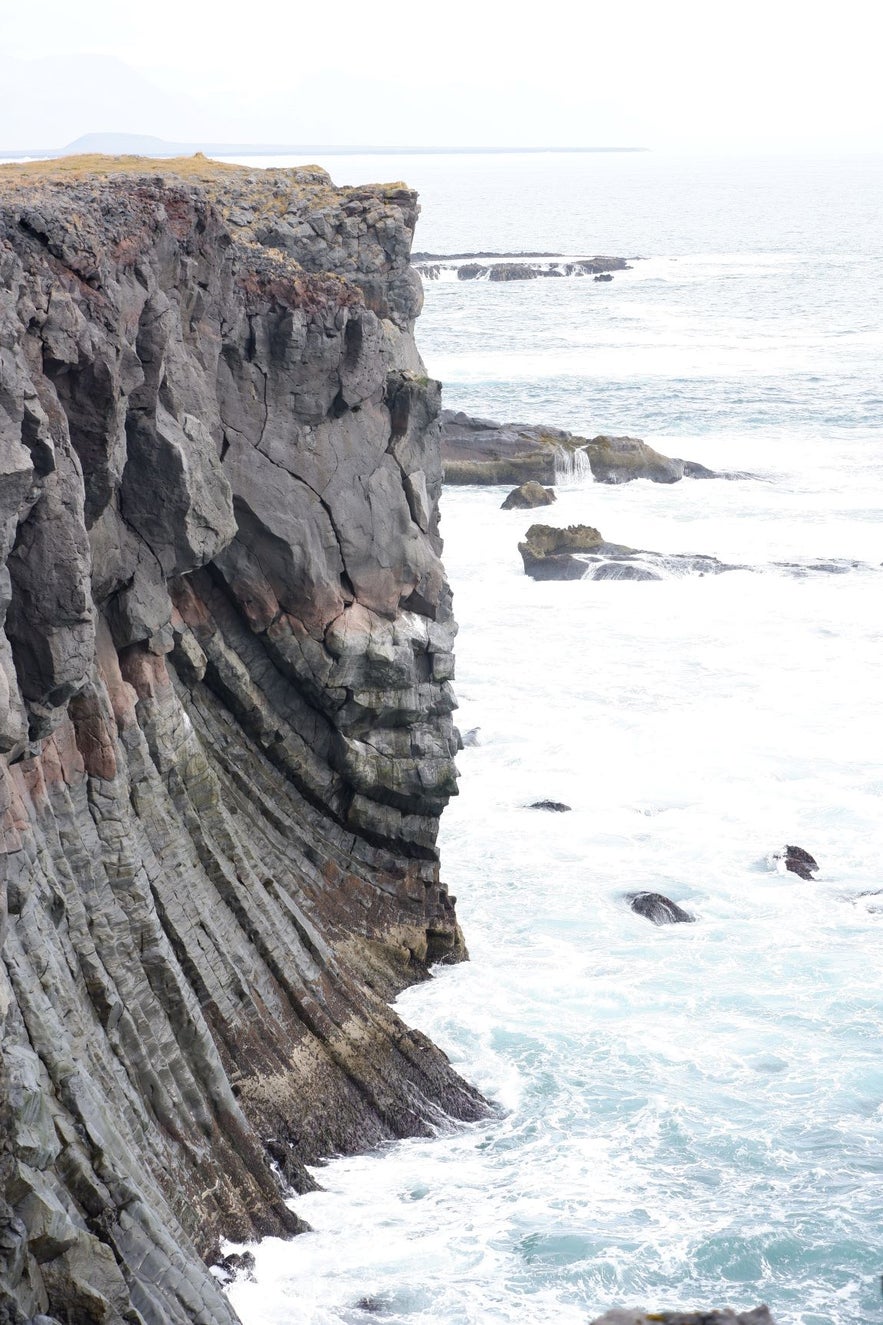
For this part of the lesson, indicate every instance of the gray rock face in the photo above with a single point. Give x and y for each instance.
(225, 718)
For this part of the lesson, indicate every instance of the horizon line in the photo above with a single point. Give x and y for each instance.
(288, 149)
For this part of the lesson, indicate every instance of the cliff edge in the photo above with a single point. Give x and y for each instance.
(225, 717)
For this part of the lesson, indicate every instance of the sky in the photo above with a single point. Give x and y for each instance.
(680, 76)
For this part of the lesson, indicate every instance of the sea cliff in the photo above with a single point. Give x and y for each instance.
(225, 717)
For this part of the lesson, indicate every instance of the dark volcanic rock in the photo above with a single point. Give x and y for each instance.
(798, 861)
(581, 552)
(622, 459)
(478, 450)
(512, 271)
(692, 469)
(225, 711)
(555, 554)
(527, 497)
(661, 910)
(558, 807)
(431, 266)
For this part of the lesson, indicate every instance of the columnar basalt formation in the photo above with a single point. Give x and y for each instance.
(225, 717)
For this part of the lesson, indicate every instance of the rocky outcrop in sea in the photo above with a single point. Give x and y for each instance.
(502, 267)
(476, 450)
(225, 717)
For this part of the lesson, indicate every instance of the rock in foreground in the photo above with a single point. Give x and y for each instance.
(225, 712)
(555, 554)
(580, 552)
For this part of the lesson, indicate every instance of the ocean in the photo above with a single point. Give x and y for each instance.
(689, 1116)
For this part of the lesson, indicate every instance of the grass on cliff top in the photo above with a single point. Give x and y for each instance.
(198, 168)
(98, 164)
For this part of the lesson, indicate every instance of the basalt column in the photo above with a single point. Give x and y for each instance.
(225, 717)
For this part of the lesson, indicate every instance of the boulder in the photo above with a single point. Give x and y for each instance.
(558, 807)
(661, 910)
(528, 496)
(477, 450)
(797, 861)
(622, 459)
(549, 553)
(621, 570)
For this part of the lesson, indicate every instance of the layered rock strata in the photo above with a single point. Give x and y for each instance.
(225, 717)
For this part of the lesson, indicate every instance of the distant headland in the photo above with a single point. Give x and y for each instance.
(140, 144)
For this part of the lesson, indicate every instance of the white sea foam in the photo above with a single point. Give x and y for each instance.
(693, 1115)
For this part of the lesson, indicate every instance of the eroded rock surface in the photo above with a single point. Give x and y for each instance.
(476, 450)
(527, 497)
(225, 717)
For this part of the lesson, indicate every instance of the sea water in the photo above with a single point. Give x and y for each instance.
(692, 1115)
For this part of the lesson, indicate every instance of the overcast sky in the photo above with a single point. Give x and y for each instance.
(764, 75)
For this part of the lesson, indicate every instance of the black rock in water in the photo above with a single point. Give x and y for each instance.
(237, 1265)
(799, 862)
(557, 806)
(661, 910)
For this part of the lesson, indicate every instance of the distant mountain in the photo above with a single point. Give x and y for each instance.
(141, 144)
(121, 144)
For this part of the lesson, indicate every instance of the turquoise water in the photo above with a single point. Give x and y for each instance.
(690, 1115)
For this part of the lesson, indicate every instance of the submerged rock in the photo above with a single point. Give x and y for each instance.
(528, 496)
(236, 1265)
(621, 570)
(661, 910)
(557, 806)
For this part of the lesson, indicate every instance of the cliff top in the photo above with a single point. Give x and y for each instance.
(196, 169)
